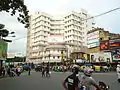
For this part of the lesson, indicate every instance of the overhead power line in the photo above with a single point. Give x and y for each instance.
(102, 14)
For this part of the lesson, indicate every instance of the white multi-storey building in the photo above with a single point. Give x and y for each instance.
(73, 27)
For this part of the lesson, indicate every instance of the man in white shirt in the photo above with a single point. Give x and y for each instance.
(118, 72)
(18, 71)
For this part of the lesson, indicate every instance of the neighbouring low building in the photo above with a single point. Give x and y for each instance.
(95, 39)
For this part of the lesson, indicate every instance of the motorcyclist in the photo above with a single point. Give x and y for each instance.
(118, 72)
(86, 81)
(72, 81)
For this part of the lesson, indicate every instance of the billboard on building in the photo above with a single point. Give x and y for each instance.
(116, 54)
(114, 44)
(101, 57)
(3, 50)
(56, 39)
(93, 39)
(104, 45)
(115, 49)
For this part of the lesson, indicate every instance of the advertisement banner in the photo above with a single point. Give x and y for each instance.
(115, 44)
(3, 50)
(104, 45)
(93, 44)
(93, 39)
(116, 54)
(101, 57)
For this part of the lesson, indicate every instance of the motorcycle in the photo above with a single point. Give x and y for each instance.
(103, 86)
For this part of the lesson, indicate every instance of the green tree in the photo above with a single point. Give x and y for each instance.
(16, 6)
(3, 32)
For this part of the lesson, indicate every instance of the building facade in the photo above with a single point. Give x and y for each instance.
(73, 26)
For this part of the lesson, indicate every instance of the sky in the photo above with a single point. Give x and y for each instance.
(58, 7)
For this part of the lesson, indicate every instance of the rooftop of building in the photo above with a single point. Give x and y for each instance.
(60, 16)
(102, 29)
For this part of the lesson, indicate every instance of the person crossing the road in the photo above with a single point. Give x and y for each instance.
(118, 72)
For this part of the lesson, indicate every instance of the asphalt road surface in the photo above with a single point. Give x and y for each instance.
(36, 82)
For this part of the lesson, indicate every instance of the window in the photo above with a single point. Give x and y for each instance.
(101, 38)
(58, 57)
(53, 57)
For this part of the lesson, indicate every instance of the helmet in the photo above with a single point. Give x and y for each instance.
(88, 71)
(75, 66)
(75, 69)
(118, 65)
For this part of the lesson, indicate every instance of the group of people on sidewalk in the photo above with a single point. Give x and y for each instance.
(12, 71)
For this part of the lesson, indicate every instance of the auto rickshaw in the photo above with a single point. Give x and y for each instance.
(97, 68)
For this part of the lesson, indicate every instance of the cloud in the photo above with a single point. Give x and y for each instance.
(18, 46)
(49, 6)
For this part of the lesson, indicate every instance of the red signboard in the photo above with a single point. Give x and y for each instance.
(104, 45)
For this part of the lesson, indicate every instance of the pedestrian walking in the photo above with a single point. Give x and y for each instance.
(29, 70)
(3, 71)
(47, 71)
(43, 72)
(18, 71)
(118, 72)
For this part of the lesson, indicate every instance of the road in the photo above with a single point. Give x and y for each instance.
(36, 82)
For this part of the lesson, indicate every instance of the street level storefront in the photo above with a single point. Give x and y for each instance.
(3, 53)
(78, 56)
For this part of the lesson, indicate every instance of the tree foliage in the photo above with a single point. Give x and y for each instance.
(3, 32)
(16, 6)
